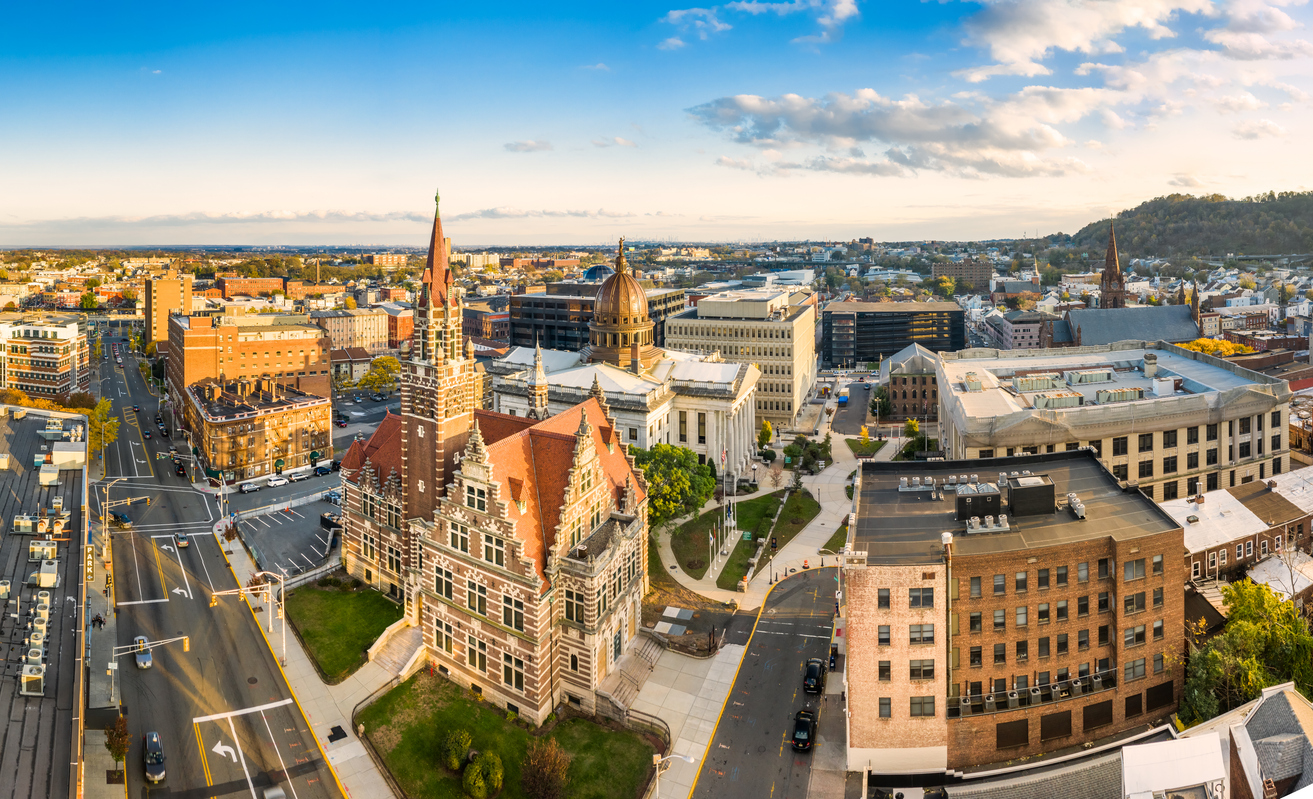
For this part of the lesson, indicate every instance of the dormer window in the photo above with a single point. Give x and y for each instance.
(476, 498)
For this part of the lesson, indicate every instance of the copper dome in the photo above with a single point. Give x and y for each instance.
(621, 300)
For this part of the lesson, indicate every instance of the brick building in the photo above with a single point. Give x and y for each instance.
(357, 327)
(981, 643)
(401, 323)
(282, 347)
(44, 354)
(165, 296)
(234, 286)
(387, 258)
(968, 273)
(483, 321)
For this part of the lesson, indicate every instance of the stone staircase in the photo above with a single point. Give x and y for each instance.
(400, 648)
(626, 679)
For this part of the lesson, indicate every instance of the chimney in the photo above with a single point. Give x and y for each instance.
(635, 365)
(1150, 365)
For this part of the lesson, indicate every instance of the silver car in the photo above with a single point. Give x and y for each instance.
(144, 660)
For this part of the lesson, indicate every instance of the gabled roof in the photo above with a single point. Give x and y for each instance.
(534, 464)
(1170, 323)
(495, 426)
(382, 451)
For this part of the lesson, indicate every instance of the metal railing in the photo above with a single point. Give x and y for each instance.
(1048, 693)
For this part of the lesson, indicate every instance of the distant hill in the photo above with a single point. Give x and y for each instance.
(1183, 225)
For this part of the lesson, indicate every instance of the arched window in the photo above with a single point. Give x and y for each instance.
(574, 663)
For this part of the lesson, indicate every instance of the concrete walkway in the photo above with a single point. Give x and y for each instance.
(326, 706)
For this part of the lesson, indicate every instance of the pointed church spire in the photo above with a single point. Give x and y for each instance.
(437, 278)
(539, 374)
(1113, 283)
(1111, 265)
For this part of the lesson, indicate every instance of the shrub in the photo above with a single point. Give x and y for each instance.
(545, 772)
(490, 764)
(355, 582)
(474, 784)
(324, 582)
(454, 750)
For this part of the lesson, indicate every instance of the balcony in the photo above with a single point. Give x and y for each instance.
(1050, 693)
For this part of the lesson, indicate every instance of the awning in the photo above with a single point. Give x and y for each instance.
(278, 464)
(314, 456)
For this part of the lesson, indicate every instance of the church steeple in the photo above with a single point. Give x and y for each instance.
(437, 279)
(538, 387)
(1113, 284)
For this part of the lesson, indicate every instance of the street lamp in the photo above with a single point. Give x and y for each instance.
(838, 578)
(267, 591)
(661, 764)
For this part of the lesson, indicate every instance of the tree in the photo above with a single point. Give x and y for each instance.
(150, 350)
(911, 428)
(88, 301)
(382, 374)
(1212, 346)
(676, 483)
(777, 476)
(118, 739)
(96, 348)
(865, 436)
(80, 399)
(944, 286)
(545, 771)
(93, 283)
(1247, 282)
(11, 306)
(483, 776)
(103, 427)
(349, 303)
(129, 296)
(765, 435)
(455, 748)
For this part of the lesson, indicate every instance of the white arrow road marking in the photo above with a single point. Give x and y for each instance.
(225, 751)
(166, 548)
(184, 593)
(139, 460)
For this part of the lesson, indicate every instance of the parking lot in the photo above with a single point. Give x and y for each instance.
(290, 540)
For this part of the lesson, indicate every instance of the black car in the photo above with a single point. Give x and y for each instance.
(136, 408)
(813, 679)
(180, 470)
(337, 466)
(804, 730)
(153, 755)
(159, 419)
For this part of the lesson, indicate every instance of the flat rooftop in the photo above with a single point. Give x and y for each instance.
(896, 526)
(891, 307)
(36, 744)
(243, 398)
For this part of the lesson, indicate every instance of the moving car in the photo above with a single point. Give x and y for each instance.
(180, 470)
(813, 678)
(378, 398)
(183, 540)
(120, 519)
(278, 480)
(341, 423)
(153, 756)
(804, 730)
(298, 476)
(145, 434)
(136, 408)
(247, 488)
(144, 660)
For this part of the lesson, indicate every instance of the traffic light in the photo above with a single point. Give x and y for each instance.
(186, 643)
(148, 502)
(214, 600)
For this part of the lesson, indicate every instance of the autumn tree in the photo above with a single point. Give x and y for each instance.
(118, 739)
(349, 303)
(545, 772)
(88, 301)
(765, 434)
(103, 427)
(676, 483)
(382, 375)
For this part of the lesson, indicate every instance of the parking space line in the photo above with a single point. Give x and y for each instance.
(238, 746)
(307, 560)
(278, 752)
(244, 711)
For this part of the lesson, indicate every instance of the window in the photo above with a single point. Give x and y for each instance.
(1157, 597)
(1212, 432)
(477, 598)
(1276, 446)
(1062, 644)
(1157, 564)
(882, 599)
(1191, 435)
(1082, 572)
(884, 635)
(1211, 460)
(1105, 568)
(1244, 426)
(574, 606)
(1082, 606)
(1083, 640)
(975, 587)
(1169, 439)
(1169, 465)
(921, 598)
(1133, 569)
(1043, 647)
(1276, 419)
(1119, 446)
(1000, 620)
(1103, 635)
(1134, 603)
(1192, 460)
(1158, 630)
(443, 583)
(1194, 569)
(885, 709)
(1263, 547)
(923, 706)
(1105, 602)
(976, 658)
(475, 498)
(922, 670)
(1021, 581)
(702, 428)
(478, 654)
(1043, 614)
(1134, 669)
(513, 672)
(1133, 636)
(884, 671)
(1021, 616)
(976, 624)
(1000, 584)
(1042, 579)
(1000, 653)
(683, 426)
(1158, 664)
(1062, 576)
(1062, 610)
(922, 634)
(1023, 651)
(1146, 468)
(1244, 449)
(494, 550)
(512, 613)
(1249, 549)
(1120, 471)
(1146, 442)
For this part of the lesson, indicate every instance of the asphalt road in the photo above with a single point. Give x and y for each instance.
(750, 756)
(229, 724)
(849, 418)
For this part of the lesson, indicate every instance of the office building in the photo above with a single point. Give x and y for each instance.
(856, 333)
(972, 276)
(1174, 422)
(912, 380)
(558, 318)
(165, 296)
(45, 354)
(483, 321)
(247, 428)
(1005, 608)
(771, 328)
(1017, 330)
(389, 259)
(366, 328)
(282, 347)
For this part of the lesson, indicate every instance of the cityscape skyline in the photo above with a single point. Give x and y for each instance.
(811, 119)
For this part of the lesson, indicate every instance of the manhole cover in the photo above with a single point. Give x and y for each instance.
(251, 680)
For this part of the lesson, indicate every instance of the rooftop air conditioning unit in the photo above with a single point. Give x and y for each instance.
(32, 681)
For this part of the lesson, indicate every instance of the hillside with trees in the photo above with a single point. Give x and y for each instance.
(1183, 225)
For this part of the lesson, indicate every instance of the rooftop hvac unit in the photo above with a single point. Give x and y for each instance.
(40, 625)
(965, 703)
(4, 460)
(34, 657)
(984, 501)
(43, 612)
(32, 681)
(4, 589)
(42, 550)
(43, 597)
(1036, 382)
(47, 576)
(1030, 495)
(972, 382)
(1107, 396)
(1087, 376)
(24, 524)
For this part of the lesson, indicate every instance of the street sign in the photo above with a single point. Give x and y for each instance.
(90, 559)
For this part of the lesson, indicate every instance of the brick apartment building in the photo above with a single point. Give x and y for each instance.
(387, 258)
(163, 297)
(981, 644)
(401, 323)
(975, 274)
(282, 347)
(366, 328)
(481, 321)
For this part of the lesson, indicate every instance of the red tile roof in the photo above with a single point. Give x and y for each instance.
(495, 426)
(534, 464)
(382, 450)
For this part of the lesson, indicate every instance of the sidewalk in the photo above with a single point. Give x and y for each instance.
(326, 706)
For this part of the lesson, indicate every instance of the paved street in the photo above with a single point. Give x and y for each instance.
(750, 755)
(229, 723)
(849, 418)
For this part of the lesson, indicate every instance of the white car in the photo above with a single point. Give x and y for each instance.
(277, 481)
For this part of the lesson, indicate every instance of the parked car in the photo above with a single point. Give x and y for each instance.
(248, 488)
(341, 423)
(321, 471)
(144, 660)
(813, 677)
(277, 480)
(298, 477)
(804, 730)
(337, 466)
(164, 432)
(153, 756)
(159, 419)
(378, 398)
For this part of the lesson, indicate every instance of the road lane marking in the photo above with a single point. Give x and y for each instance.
(159, 563)
(205, 763)
(232, 727)
(244, 711)
(141, 602)
(280, 755)
(178, 554)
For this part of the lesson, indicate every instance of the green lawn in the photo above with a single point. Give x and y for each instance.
(836, 542)
(864, 450)
(337, 625)
(689, 541)
(408, 724)
(848, 488)
(914, 446)
(797, 514)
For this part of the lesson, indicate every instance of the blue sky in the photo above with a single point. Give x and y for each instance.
(580, 122)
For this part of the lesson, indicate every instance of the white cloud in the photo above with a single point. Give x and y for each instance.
(673, 43)
(613, 141)
(599, 66)
(1020, 33)
(528, 146)
(1235, 103)
(701, 21)
(507, 212)
(735, 163)
(1258, 129)
(1185, 181)
(1249, 46)
(830, 15)
(330, 217)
